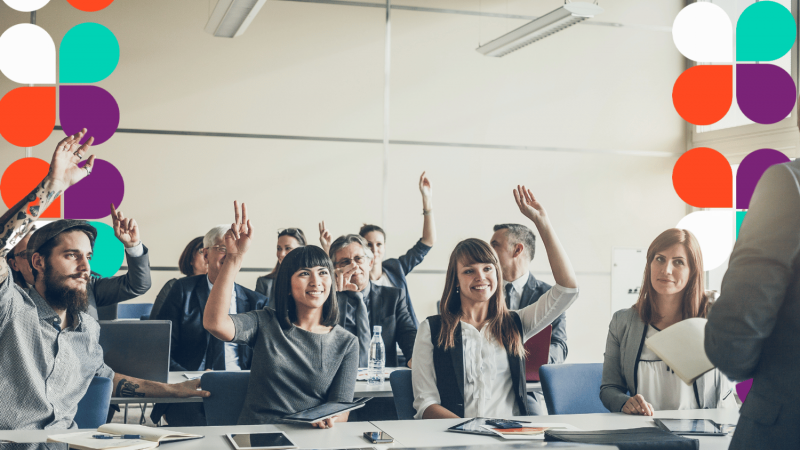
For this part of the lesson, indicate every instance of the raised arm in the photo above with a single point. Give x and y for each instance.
(64, 172)
(562, 269)
(125, 386)
(428, 225)
(237, 241)
(325, 237)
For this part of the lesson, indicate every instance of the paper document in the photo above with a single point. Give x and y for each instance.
(682, 348)
(529, 430)
(147, 433)
(190, 376)
(362, 373)
(85, 441)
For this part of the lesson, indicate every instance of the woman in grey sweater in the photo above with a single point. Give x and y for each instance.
(301, 357)
(636, 380)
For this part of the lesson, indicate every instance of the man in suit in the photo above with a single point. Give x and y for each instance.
(364, 304)
(753, 329)
(193, 348)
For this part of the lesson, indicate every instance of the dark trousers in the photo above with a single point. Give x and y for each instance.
(185, 415)
(379, 408)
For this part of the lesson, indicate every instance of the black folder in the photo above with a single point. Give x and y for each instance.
(647, 438)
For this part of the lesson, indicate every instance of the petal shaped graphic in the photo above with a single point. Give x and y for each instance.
(750, 170)
(20, 178)
(26, 5)
(702, 95)
(765, 32)
(703, 33)
(89, 53)
(89, 198)
(108, 252)
(766, 93)
(89, 107)
(28, 55)
(28, 115)
(714, 233)
(90, 5)
(702, 177)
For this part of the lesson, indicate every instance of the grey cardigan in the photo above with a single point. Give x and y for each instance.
(623, 348)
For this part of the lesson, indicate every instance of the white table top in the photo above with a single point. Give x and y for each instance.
(362, 390)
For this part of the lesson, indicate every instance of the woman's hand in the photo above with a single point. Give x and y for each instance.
(426, 190)
(528, 205)
(325, 423)
(324, 237)
(637, 405)
(344, 276)
(64, 165)
(239, 237)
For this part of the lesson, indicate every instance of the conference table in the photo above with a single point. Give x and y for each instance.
(363, 389)
(417, 433)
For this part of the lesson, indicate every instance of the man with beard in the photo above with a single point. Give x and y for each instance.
(49, 347)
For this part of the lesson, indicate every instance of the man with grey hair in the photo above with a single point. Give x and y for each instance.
(515, 246)
(364, 304)
(194, 348)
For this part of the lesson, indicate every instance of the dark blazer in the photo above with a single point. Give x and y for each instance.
(387, 308)
(112, 290)
(184, 306)
(265, 284)
(396, 270)
(558, 339)
(753, 329)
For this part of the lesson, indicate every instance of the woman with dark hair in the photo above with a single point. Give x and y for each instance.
(301, 357)
(475, 326)
(636, 380)
(190, 263)
(288, 240)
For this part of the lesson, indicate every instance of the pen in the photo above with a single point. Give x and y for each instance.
(124, 436)
(729, 393)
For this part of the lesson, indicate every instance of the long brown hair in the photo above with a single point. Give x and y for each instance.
(694, 303)
(501, 325)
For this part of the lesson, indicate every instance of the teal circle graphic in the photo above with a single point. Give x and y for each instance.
(108, 251)
(88, 53)
(765, 32)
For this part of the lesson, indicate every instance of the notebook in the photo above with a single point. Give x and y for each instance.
(682, 348)
(650, 438)
(538, 348)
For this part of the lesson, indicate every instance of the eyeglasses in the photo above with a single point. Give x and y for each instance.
(346, 262)
(220, 248)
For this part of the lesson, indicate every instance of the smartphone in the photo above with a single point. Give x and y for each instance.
(378, 437)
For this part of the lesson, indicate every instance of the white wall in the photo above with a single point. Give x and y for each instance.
(317, 70)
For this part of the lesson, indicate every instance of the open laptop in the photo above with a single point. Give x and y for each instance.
(138, 348)
(538, 348)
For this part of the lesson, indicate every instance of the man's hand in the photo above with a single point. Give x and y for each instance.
(325, 423)
(64, 165)
(126, 230)
(240, 236)
(637, 405)
(324, 237)
(187, 389)
(528, 205)
(343, 277)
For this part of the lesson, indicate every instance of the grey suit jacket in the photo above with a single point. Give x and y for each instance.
(558, 339)
(112, 290)
(753, 331)
(623, 347)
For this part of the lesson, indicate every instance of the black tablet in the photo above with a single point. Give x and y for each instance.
(703, 427)
(260, 441)
(324, 411)
(473, 426)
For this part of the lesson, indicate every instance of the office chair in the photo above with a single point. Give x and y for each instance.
(572, 388)
(403, 394)
(228, 391)
(93, 407)
(133, 310)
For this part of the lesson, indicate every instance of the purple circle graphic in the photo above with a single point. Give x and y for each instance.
(88, 107)
(750, 170)
(765, 92)
(90, 198)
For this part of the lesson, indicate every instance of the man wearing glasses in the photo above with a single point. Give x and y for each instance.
(193, 348)
(18, 262)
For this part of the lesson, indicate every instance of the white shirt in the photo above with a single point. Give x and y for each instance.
(231, 350)
(384, 281)
(487, 377)
(658, 384)
(516, 293)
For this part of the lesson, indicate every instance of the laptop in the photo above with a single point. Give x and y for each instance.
(538, 348)
(138, 348)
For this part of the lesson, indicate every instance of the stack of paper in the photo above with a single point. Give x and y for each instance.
(149, 437)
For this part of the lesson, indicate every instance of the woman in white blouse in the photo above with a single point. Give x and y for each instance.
(636, 380)
(469, 361)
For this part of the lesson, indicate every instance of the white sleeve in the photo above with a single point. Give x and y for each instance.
(536, 316)
(423, 375)
(135, 251)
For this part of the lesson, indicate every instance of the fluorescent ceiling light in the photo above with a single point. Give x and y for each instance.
(231, 17)
(550, 23)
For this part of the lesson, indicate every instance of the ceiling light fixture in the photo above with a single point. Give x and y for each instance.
(231, 17)
(553, 22)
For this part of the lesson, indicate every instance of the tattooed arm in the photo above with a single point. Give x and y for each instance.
(64, 172)
(125, 386)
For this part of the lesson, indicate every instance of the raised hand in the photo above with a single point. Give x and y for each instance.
(426, 190)
(240, 236)
(64, 165)
(126, 230)
(528, 205)
(344, 276)
(325, 238)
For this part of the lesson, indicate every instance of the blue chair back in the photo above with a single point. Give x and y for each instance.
(572, 388)
(228, 391)
(403, 394)
(93, 407)
(133, 310)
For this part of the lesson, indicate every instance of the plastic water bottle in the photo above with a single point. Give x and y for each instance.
(377, 357)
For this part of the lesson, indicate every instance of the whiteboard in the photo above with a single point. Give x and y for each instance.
(627, 269)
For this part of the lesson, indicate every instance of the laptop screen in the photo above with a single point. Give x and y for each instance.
(138, 348)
